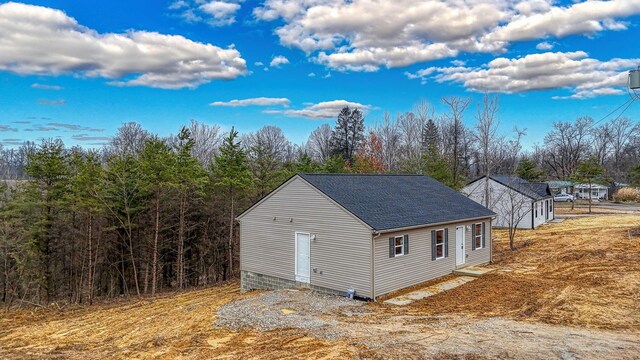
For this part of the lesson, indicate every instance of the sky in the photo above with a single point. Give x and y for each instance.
(78, 70)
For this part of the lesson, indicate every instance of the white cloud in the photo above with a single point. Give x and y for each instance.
(46, 87)
(278, 61)
(585, 77)
(321, 110)
(311, 74)
(38, 40)
(258, 63)
(259, 101)
(580, 18)
(51, 102)
(214, 13)
(178, 4)
(545, 45)
(364, 35)
(221, 12)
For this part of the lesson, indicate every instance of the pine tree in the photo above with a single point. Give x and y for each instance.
(159, 172)
(231, 173)
(348, 134)
(190, 181)
(430, 138)
(49, 169)
(84, 198)
(528, 170)
(122, 196)
(589, 171)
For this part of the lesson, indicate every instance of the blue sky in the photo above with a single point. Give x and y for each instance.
(78, 69)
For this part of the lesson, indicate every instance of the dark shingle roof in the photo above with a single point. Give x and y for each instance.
(532, 190)
(395, 201)
(541, 189)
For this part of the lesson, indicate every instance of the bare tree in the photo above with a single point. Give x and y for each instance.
(389, 134)
(457, 106)
(320, 142)
(623, 133)
(424, 110)
(512, 207)
(601, 143)
(130, 140)
(410, 127)
(567, 144)
(486, 136)
(207, 139)
(267, 150)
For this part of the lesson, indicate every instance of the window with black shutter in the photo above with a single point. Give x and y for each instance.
(398, 245)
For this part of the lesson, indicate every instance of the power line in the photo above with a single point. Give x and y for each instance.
(628, 103)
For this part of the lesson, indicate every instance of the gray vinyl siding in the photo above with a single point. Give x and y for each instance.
(342, 250)
(501, 205)
(395, 273)
(478, 256)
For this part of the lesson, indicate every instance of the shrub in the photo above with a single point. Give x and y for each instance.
(627, 194)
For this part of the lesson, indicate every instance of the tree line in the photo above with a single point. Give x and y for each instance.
(145, 214)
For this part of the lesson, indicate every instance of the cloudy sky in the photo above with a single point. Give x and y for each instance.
(79, 69)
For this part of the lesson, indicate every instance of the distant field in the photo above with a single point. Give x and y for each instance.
(572, 290)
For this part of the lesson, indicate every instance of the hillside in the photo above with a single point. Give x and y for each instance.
(573, 289)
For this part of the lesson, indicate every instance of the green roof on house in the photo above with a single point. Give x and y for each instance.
(559, 184)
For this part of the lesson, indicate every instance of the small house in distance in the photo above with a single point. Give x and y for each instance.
(593, 191)
(517, 202)
(371, 234)
(560, 187)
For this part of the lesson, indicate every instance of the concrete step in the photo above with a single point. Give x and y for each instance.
(429, 291)
(473, 271)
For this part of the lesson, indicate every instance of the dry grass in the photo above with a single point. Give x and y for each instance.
(167, 327)
(582, 209)
(583, 272)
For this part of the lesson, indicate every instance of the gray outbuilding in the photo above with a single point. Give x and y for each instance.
(368, 234)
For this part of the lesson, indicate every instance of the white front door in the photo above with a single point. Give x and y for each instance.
(303, 258)
(460, 255)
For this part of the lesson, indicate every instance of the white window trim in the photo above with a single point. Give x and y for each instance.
(398, 246)
(478, 235)
(443, 241)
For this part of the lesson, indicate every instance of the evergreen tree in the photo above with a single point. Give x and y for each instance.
(528, 170)
(634, 176)
(306, 165)
(231, 173)
(334, 165)
(190, 181)
(85, 182)
(348, 134)
(158, 171)
(430, 142)
(49, 169)
(589, 172)
(121, 194)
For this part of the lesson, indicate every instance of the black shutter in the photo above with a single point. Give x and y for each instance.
(473, 236)
(433, 244)
(446, 242)
(392, 248)
(484, 236)
(406, 244)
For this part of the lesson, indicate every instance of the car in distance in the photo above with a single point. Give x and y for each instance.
(563, 198)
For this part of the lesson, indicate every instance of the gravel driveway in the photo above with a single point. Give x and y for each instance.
(409, 336)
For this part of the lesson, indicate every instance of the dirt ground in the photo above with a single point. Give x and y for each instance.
(572, 290)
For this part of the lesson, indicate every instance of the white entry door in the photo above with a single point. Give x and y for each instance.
(303, 257)
(460, 254)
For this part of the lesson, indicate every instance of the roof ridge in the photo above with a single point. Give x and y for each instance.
(367, 174)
